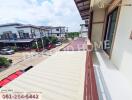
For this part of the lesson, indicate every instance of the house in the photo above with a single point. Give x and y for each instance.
(109, 29)
(100, 74)
(20, 34)
(59, 32)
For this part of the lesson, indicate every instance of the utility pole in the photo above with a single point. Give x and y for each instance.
(41, 36)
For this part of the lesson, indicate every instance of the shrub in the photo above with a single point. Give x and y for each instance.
(53, 40)
(10, 61)
(15, 49)
(5, 62)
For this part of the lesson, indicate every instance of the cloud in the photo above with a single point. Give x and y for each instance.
(41, 12)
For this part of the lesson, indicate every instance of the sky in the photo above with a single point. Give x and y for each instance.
(41, 12)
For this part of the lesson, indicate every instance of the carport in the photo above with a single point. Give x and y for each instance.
(20, 43)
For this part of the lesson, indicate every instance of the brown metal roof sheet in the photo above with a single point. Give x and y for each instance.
(83, 7)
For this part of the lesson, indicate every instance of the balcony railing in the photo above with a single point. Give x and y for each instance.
(90, 87)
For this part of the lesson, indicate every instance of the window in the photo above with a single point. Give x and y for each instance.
(57, 29)
(14, 36)
(7, 35)
(109, 33)
(23, 35)
(26, 35)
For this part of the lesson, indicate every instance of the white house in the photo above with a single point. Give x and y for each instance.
(20, 31)
(59, 32)
(20, 34)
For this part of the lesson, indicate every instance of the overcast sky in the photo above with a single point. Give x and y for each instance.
(41, 12)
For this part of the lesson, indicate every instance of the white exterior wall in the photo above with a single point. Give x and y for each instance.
(55, 31)
(122, 49)
(37, 32)
(9, 28)
(97, 26)
(26, 30)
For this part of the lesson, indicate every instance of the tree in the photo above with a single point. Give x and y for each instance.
(73, 35)
(46, 42)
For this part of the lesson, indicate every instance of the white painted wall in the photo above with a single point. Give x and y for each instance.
(62, 30)
(26, 30)
(55, 31)
(122, 49)
(60, 35)
(37, 33)
(97, 28)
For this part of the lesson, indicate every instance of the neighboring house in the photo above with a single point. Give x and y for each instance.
(83, 31)
(59, 32)
(9, 31)
(31, 31)
(20, 34)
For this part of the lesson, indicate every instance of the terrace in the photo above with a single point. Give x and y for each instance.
(56, 78)
(75, 72)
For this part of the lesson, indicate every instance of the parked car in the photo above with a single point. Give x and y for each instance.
(7, 51)
(58, 43)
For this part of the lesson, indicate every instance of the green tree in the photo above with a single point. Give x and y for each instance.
(73, 35)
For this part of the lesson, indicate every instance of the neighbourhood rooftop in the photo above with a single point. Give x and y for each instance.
(10, 24)
(19, 25)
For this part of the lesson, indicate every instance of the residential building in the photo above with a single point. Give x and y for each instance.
(19, 34)
(100, 74)
(83, 31)
(59, 32)
(109, 23)
(20, 31)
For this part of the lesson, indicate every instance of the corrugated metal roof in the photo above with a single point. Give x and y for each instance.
(60, 77)
(16, 41)
(83, 7)
(11, 24)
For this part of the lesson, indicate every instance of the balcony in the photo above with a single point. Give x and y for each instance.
(67, 75)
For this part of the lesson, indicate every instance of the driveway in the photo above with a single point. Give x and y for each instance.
(17, 56)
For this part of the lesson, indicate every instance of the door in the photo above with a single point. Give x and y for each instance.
(109, 33)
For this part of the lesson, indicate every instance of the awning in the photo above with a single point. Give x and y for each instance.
(83, 7)
(17, 41)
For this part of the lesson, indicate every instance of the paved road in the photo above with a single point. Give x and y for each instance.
(76, 45)
(32, 60)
